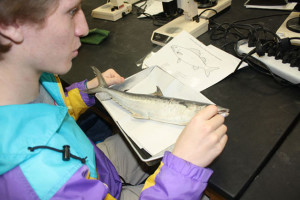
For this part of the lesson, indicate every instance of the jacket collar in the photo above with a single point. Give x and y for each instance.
(22, 126)
(49, 82)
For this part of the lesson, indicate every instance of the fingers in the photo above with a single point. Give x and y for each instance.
(114, 80)
(210, 116)
(217, 121)
(221, 135)
(112, 77)
(203, 139)
(223, 141)
(218, 131)
(110, 73)
(220, 144)
(208, 112)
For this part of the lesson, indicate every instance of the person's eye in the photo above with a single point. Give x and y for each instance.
(74, 11)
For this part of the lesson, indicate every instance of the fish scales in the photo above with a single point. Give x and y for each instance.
(168, 110)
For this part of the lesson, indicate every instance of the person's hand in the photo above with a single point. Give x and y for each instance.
(110, 76)
(203, 139)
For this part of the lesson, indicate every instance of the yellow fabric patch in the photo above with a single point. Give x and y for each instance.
(75, 103)
(62, 93)
(151, 179)
(88, 176)
(109, 197)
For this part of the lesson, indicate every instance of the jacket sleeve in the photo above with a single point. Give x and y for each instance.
(76, 100)
(174, 179)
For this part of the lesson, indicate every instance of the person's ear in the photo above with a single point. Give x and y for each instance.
(12, 32)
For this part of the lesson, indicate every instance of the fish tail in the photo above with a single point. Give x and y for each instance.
(99, 76)
(101, 81)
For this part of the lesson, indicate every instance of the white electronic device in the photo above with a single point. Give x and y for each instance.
(165, 33)
(284, 70)
(112, 11)
(131, 1)
(284, 32)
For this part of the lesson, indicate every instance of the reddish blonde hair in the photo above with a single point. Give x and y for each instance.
(24, 11)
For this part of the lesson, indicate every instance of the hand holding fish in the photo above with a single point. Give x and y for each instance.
(110, 76)
(203, 139)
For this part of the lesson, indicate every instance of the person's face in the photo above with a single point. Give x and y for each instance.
(52, 47)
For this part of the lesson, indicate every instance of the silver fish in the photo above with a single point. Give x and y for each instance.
(153, 107)
(192, 57)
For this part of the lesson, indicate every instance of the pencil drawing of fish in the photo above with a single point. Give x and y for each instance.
(152, 107)
(192, 57)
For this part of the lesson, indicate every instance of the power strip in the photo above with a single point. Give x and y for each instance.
(284, 70)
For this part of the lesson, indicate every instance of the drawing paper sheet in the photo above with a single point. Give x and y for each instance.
(151, 135)
(289, 6)
(191, 62)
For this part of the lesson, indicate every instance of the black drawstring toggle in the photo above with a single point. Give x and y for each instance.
(66, 152)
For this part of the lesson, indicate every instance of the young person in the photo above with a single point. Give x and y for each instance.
(43, 152)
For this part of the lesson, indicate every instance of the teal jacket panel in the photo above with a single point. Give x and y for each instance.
(33, 125)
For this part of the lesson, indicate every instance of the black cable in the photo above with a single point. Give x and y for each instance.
(207, 10)
(244, 58)
(158, 19)
(256, 18)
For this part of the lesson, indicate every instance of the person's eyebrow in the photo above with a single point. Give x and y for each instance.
(78, 2)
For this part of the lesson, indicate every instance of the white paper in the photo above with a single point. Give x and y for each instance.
(288, 6)
(191, 62)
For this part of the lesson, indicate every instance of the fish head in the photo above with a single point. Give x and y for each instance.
(177, 50)
(174, 47)
(223, 111)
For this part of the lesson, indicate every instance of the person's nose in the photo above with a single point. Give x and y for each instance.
(81, 28)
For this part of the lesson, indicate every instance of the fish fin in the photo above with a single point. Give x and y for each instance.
(208, 70)
(195, 51)
(90, 91)
(203, 59)
(158, 92)
(138, 116)
(101, 81)
(99, 76)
